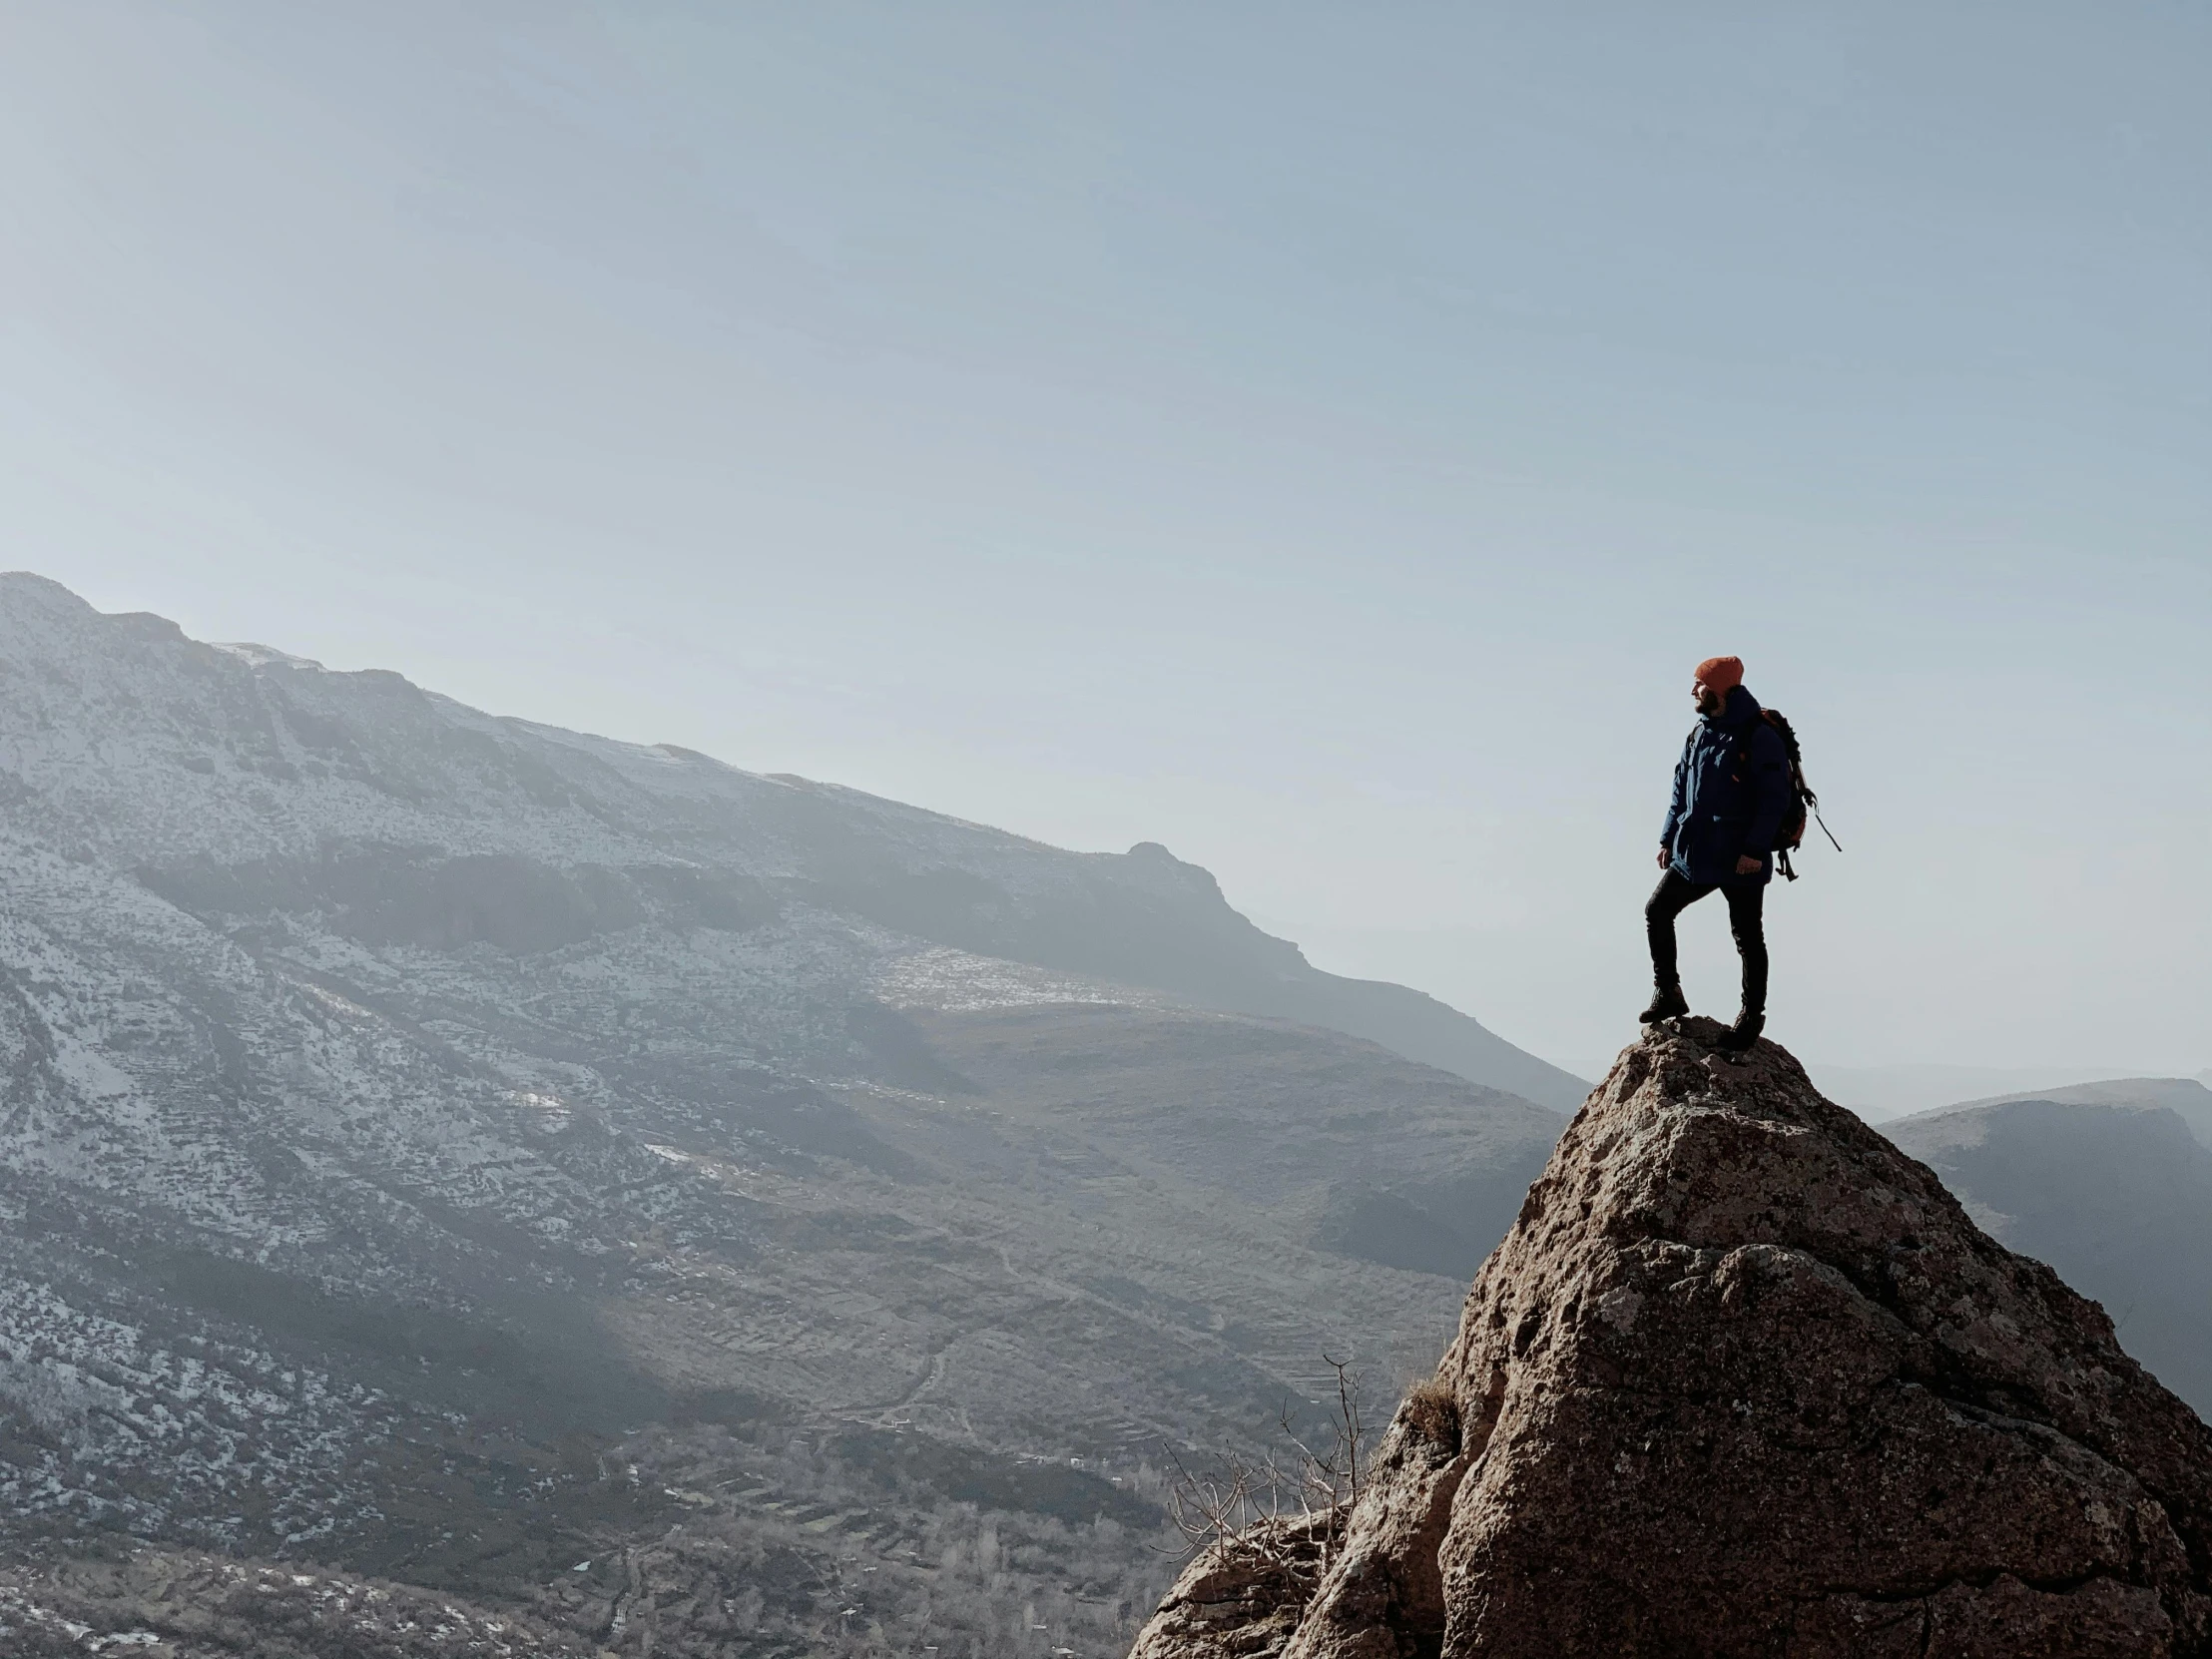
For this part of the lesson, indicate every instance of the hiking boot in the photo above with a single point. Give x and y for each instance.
(1666, 1003)
(1738, 1038)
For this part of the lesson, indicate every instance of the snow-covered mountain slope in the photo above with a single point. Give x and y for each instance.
(237, 780)
(412, 1123)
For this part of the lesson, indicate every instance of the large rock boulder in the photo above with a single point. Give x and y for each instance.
(1745, 1380)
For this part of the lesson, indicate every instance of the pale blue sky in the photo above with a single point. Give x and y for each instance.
(1318, 438)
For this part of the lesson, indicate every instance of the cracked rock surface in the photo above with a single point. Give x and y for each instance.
(1745, 1380)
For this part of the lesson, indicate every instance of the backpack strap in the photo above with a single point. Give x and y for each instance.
(1751, 734)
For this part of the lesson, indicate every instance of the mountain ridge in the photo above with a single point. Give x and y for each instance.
(2186, 1097)
(1143, 917)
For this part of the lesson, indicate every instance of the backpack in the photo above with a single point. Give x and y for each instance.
(1789, 835)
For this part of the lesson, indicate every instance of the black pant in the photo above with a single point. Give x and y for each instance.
(1674, 894)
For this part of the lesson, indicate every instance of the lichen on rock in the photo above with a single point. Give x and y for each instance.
(1744, 1380)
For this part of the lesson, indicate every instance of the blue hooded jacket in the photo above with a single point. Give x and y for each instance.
(1730, 795)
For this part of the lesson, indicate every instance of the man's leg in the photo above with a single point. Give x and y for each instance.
(1668, 900)
(1746, 920)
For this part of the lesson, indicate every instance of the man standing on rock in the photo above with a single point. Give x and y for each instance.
(1731, 790)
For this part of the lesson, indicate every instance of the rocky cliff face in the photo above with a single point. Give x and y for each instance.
(1744, 1380)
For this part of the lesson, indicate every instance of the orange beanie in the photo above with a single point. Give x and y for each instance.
(1723, 674)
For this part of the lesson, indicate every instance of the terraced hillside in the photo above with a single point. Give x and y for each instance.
(673, 1206)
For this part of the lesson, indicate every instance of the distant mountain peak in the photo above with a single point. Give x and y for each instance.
(2187, 1098)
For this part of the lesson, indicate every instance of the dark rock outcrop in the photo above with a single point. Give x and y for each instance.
(1745, 1380)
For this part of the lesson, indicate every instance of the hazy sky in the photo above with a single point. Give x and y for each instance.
(1320, 438)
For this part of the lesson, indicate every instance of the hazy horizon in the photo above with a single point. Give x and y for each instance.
(1320, 444)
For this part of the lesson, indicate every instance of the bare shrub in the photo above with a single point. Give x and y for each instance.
(1284, 1517)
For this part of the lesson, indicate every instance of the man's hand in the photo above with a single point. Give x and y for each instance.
(1664, 860)
(1748, 865)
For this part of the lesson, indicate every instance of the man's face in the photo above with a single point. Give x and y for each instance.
(1709, 700)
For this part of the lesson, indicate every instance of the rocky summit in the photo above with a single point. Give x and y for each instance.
(1745, 1379)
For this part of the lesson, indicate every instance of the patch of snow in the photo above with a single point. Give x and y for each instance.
(263, 656)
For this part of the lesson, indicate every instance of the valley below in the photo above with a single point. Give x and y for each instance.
(658, 1206)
